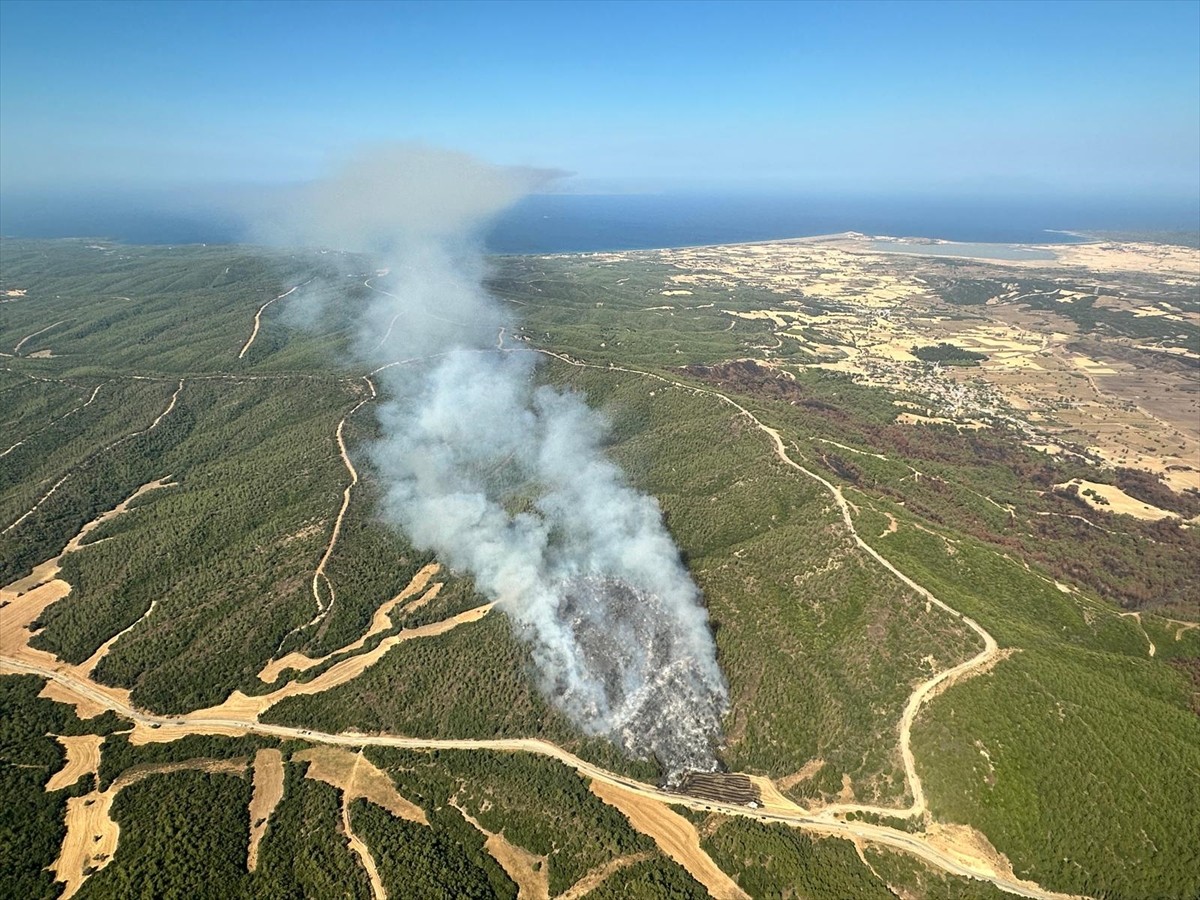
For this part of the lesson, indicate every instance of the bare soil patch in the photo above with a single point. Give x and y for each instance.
(83, 758)
(526, 869)
(380, 622)
(355, 776)
(769, 789)
(674, 835)
(268, 791)
(971, 847)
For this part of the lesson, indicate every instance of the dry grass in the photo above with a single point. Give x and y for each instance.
(268, 791)
(83, 758)
(674, 835)
(380, 622)
(413, 605)
(770, 793)
(528, 870)
(860, 311)
(85, 708)
(92, 834)
(1114, 500)
(90, 841)
(21, 610)
(240, 707)
(355, 776)
(24, 600)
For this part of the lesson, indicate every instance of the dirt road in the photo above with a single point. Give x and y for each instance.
(168, 728)
(232, 718)
(924, 691)
(258, 317)
(319, 575)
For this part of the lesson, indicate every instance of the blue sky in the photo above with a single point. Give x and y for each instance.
(1004, 98)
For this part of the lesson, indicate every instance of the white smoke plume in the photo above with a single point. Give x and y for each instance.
(507, 480)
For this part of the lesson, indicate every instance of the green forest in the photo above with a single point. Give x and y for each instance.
(1046, 753)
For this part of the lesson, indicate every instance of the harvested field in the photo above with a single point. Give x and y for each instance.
(674, 835)
(772, 799)
(239, 706)
(268, 791)
(21, 610)
(528, 870)
(83, 758)
(413, 605)
(92, 834)
(380, 622)
(85, 708)
(1112, 499)
(356, 776)
(90, 842)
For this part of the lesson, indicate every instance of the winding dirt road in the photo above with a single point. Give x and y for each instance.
(319, 574)
(54, 422)
(258, 316)
(29, 512)
(986, 657)
(167, 729)
(22, 341)
(231, 719)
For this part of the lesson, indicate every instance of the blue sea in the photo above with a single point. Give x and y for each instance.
(565, 223)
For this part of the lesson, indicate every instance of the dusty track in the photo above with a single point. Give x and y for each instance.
(54, 422)
(360, 849)
(157, 419)
(984, 658)
(170, 406)
(319, 574)
(258, 317)
(89, 665)
(21, 342)
(1137, 617)
(166, 729)
(29, 512)
(239, 714)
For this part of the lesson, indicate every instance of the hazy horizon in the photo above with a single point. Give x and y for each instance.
(578, 222)
(946, 100)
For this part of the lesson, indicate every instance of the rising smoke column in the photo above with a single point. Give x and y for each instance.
(508, 480)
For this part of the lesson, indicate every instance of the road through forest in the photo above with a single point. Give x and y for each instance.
(153, 728)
